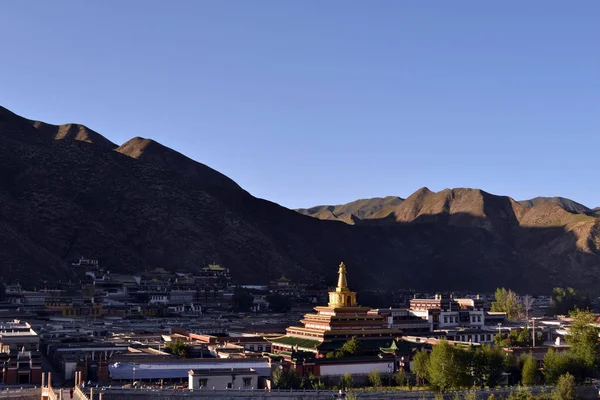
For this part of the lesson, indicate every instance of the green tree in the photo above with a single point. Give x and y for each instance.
(487, 366)
(565, 300)
(515, 338)
(560, 363)
(242, 300)
(524, 338)
(529, 371)
(279, 303)
(421, 366)
(445, 367)
(492, 397)
(375, 378)
(346, 381)
(352, 347)
(283, 378)
(178, 348)
(507, 301)
(583, 338)
(565, 388)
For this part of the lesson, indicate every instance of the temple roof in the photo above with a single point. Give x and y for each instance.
(296, 341)
(401, 347)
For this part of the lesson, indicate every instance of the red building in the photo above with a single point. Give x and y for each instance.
(19, 368)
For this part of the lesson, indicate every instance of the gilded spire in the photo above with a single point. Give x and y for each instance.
(342, 296)
(342, 285)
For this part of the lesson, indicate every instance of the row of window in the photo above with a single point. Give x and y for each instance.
(259, 348)
(475, 338)
(247, 382)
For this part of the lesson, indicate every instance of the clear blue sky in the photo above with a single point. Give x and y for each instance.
(321, 102)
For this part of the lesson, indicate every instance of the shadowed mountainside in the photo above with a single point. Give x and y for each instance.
(73, 132)
(149, 151)
(143, 206)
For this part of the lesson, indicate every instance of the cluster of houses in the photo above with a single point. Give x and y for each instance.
(130, 330)
(156, 293)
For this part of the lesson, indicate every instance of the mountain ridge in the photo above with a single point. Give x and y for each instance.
(142, 209)
(375, 208)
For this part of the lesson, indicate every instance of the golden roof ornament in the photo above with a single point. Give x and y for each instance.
(342, 284)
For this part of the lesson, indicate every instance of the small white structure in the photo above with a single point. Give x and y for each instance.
(222, 378)
(356, 368)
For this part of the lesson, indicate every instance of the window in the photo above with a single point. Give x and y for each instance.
(202, 382)
(229, 385)
(247, 382)
(479, 318)
(445, 320)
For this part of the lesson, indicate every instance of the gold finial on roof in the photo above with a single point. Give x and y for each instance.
(342, 283)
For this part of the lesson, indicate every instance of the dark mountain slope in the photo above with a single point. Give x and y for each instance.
(63, 198)
(73, 132)
(149, 151)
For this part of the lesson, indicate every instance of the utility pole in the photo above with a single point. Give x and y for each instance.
(533, 331)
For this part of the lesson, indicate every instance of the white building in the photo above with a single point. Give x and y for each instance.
(223, 378)
(449, 313)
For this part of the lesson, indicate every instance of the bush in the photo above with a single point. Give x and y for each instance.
(400, 378)
(375, 378)
(346, 382)
(565, 388)
(520, 394)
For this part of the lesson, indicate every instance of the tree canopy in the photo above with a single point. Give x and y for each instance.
(488, 364)
(583, 338)
(516, 338)
(507, 301)
(178, 348)
(421, 365)
(283, 378)
(565, 388)
(565, 300)
(352, 347)
(529, 371)
(446, 371)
